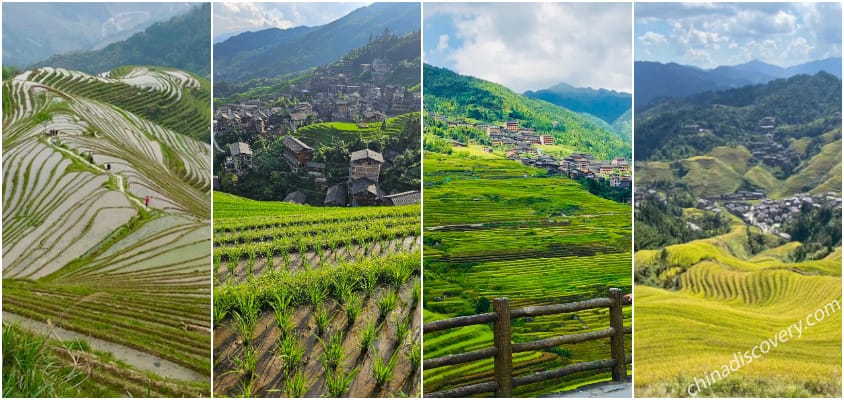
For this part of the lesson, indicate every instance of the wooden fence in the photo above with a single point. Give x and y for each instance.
(503, 346)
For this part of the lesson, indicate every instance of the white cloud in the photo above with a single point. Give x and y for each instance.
(799, 48)
(535, 46)
(443, 43)
(652, 38)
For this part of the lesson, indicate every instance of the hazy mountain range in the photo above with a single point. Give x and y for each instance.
(35, 31)
(654, 80)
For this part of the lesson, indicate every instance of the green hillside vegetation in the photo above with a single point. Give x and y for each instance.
(700, 302)
(475, 100)
(180, 42)
(496, 228)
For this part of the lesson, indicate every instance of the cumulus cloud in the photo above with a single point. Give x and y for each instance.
(777, 33)
(535, 46)
(652, 38)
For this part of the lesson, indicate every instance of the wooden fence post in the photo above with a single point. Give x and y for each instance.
(504, 344)
(619, 371)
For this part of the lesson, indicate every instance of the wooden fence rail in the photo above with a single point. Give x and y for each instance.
(503, 347)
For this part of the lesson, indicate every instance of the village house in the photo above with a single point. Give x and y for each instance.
(511, 126)
(365, 164)
(365, 192)
(297, 153)
(240, 159)
(546, 139)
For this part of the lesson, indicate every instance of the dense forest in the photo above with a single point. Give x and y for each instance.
(180, 42)
(466, 98)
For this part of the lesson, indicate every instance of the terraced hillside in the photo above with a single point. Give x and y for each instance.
(325, 133)
(81, 252)
(495, 228)
(723, 301)
(315, 301)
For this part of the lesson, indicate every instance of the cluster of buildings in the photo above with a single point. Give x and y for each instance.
(769, 214)
(333, 93)
(362, 188)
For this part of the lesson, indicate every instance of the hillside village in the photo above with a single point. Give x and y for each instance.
(525, 145)
(333, 93)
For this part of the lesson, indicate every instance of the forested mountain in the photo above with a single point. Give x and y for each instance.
(181, 42)
(803, 106)
(271, 53)
(655, 80)
(461, 97)
(605, 104)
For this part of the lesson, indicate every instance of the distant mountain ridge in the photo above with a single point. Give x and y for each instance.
(461, 97)
(607, 105)
(181, 42)
(654, 80)
(273, 52)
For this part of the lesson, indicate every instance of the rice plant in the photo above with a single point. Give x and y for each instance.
(296, 385)
(368, 335)
(323, 318)
(402, 327)
(382, 370)
(353, 307)
(246, 364)
(337, 382)
(387, 303)
(317, 293)
(332, 351)
(414, 355)
(292, 354)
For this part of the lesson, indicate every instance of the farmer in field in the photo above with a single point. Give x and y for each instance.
(146, 201)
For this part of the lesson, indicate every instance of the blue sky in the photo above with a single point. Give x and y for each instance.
(712, 34)
(532, 46)
(230, 18)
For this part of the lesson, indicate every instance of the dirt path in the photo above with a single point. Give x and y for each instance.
(133, 357)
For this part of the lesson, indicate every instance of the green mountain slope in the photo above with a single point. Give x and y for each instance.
(181, 42)
(467, 98)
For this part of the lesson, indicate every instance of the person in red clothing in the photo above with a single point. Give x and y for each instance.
(146, 201)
